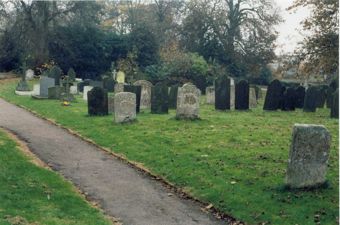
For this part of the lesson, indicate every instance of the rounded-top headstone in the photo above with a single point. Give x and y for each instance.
(145, 101)
(273, 96)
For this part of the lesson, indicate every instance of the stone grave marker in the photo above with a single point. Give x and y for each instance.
(310, 99)
(335, 105)
(289, 99)
(29, 74)
(159, 99)
(308, 156)
(36, 89)
(321, 97)
(119, 87)
(188, 102)
(109, 84)
(242, 95)
(120, 77)
(273, 96)
(97, 102)
(138, 91)
(300, 97)
(45, 83)
(124, 107)
(111, 105)
(55, 92)
(86, 89)
(145, 100)
(210, 95)
(222, 93)
(173, 96)
(252, 98)
(55, 72)
(74, 90)
(82, 84)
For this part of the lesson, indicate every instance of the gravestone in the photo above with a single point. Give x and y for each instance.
(45, 83)
(96, 83)
(242, 95)
(111, 104)
(188, 102)
(210, 95)
(97, 102)
(252, 98)
(232, 96)
(308, 156)
(222, 93)
(289, 99)
(335, 105)
(138, 91)
(82, 84)
(282, 99)
(22, 86)
(329, 96)
(258, 92)
(124, 107)
(86, 89)
(310, 99)
(109, 84)
(173, 96)
(120, 77)
(55, 72)
(273, 96)
(321, 97)
(55, 92)
(36, 89)
(145, 100)
(66, 95)
(159, 99)
(300, 97)
(29, 74)
(119, 87)
(74, 90)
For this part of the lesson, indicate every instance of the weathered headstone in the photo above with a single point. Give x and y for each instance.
(145, 101)
(188, 102)
(310, 100)
(252, 98)
(86, 89)
(97, 102)
(308, 156)
(138, 91)
(55, 72)
(335, 105)
(29, 74)
(111, 101)
(159, 99)
(55, 92)
(119, 87)
(173, 96)
(74, 90)
(124, 107)
(258, 92)
(45, 83)
(109, 84)
(242, 95)
(300, 97)
(289, 99)
(222, 93)
(120, 77)
(273, 96)
(210, 95)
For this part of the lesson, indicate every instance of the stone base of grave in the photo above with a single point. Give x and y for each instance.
(39, 97)
(24, 93)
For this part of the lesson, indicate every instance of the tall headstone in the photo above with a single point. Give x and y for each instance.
(145, 100)
(310, 99)
(188, 102)
(120, 78)
(173, 96)
(335, 105)
(97, 102)
(210, 95)
(300, 97)
(138, 91)
(45, 83)
(252, 98)
(273, 96)
(289, 99)
(159, 99)
(124, 107)
(258, 92)
(308, 156)
(242, 95)
(86, 89)
(282, 99)
(222, 93)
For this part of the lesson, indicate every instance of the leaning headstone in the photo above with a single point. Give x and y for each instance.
(145, 101)
(36, 89)
(119, 87)
(45, 83)
(173, 96)
(289, 99)
(97, 102)
(242, 95)
(55, 72)
(210, 95)
(252, 98)
(29, 74)
(86, 89)
(273, 96)
(308, 156)
(111, 105)
(188, 102)
(159, 99)
(55, 92)
(222, 93)
(124, 107)
(138, 91)
(335, 105)
(300, 97)
(310, 100)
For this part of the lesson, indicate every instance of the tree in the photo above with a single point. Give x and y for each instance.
(320, 49)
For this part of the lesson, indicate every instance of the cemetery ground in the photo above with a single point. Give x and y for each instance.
(30, 192)
(235, 160)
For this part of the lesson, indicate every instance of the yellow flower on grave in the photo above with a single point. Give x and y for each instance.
(66, 103)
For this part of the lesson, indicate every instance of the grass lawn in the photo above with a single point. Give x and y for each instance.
(234, 160)
(33, 195)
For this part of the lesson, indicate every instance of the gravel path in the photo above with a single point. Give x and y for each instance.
(122, 191)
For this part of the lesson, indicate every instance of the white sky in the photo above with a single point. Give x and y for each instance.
(290, 31)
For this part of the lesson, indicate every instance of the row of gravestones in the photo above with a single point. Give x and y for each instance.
(125, 105)
(288, 99)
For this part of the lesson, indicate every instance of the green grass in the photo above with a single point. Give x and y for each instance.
(235, 160)
(33, 195)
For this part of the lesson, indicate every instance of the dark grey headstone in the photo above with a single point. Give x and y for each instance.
(159, 99)
(136, 90)
(222, 93)
(273, 96)
(335, 105)
(289, 99)
(300, 97)
(173, 96)
(81, 85)
(45, 83)
(95, 83)
(329, 96)
(310, 99)
(97, 102)
(321, 97)
(242, 95)
(109, 84)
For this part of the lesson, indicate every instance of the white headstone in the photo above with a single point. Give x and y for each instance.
(145, 99)
(188, 102)
(36, 89)
(29, 74)
(74, 89)
(86, 89)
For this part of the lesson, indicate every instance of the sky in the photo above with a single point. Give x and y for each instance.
(290, 31)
